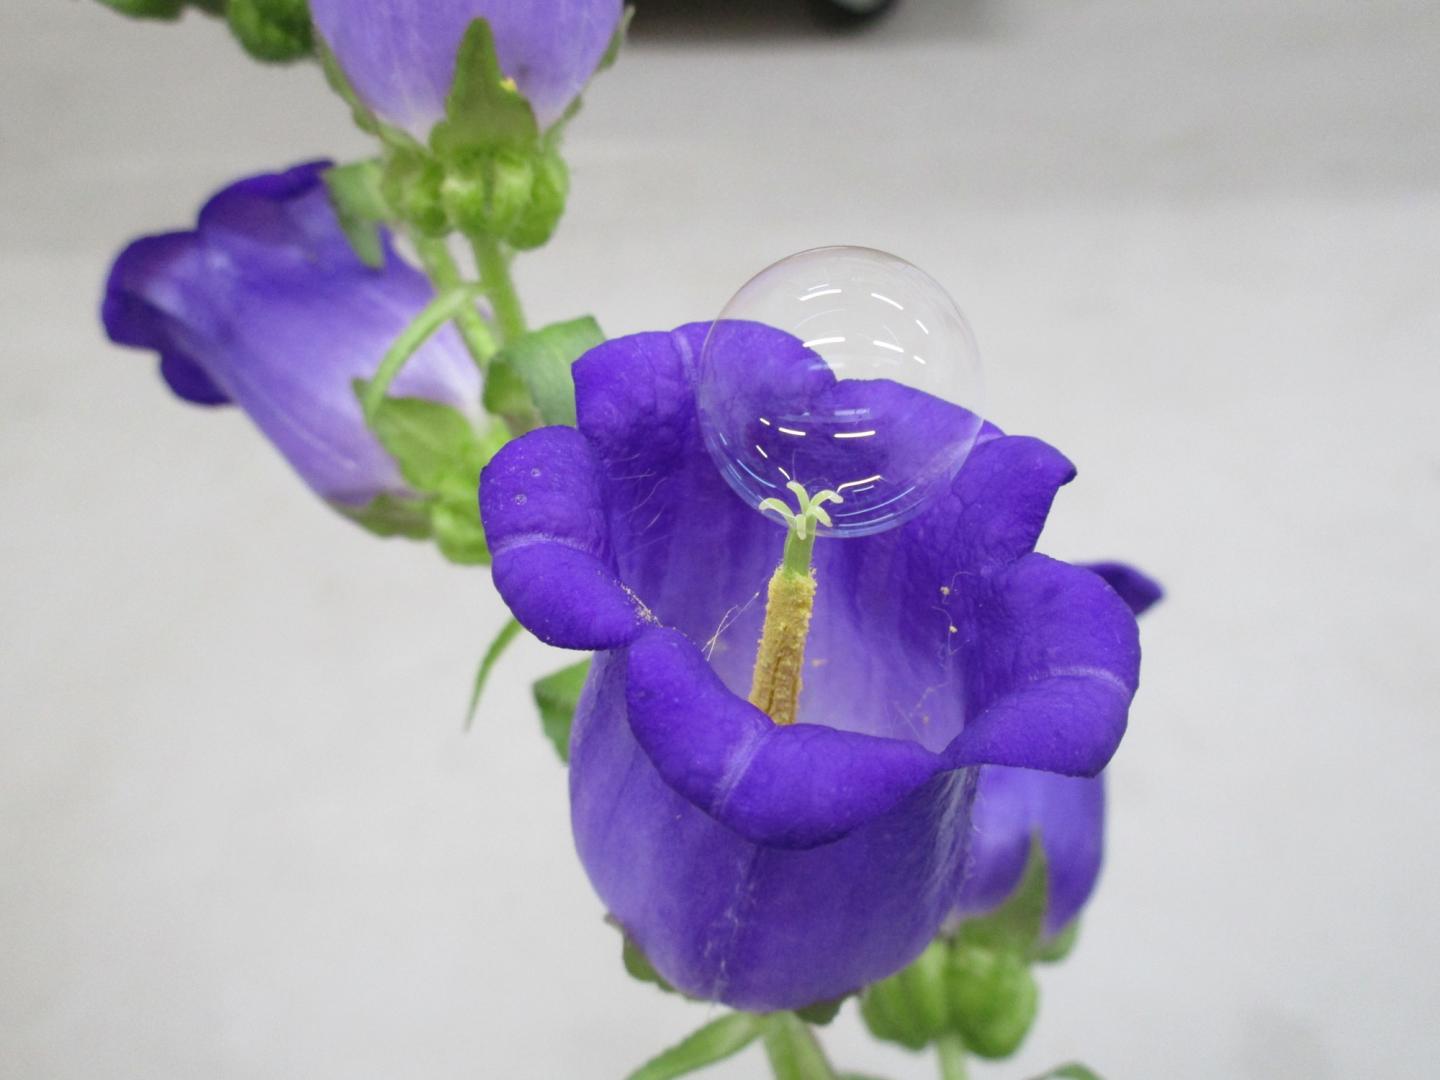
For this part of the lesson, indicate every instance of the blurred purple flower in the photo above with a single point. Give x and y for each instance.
(1066, 813)
(265, 305)
(772, 867)
(399, 55)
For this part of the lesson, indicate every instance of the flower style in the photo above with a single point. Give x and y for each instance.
(769, 866)
(1066, 813)
(265, 305)
(399, 55)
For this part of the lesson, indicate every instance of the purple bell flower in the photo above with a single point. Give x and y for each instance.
(399, 55)
(766, 866)
(1067, 813)
(265, 305)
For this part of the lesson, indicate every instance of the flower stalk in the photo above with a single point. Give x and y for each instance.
(440, 266)
(499, 286)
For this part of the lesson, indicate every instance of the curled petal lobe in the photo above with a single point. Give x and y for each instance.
(788, 787)
(545, 526)
(1139, 591)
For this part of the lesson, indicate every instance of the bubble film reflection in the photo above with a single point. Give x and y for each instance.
(841, 369)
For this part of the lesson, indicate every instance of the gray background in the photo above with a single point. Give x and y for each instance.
(241, 832)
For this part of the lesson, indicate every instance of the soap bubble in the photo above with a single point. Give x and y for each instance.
(841, 369)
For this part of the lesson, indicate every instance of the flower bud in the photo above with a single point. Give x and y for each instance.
(411, 186)
(992, 998)
(547, 203)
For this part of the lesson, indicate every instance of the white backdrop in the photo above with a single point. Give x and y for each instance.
(241, 832)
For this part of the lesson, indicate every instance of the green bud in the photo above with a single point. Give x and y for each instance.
(273, 30)
(411, 185)
(547, 202)
(512, 177)
(910, 1008)
(465, 193)
(992, 999)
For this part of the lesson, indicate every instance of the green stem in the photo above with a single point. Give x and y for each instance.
(793, 1050)
(440, 266)
(499, 286)
(952, 1057)
(436, 314)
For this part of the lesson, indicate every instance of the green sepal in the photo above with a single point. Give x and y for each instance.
(1059, 947)
(508, 633)
(638, 966)
(607, 60)
(390, 515)
(430, 442)
(992, 998)
(483, 110)
(458, 532)
(540, 363)
(272, 30)
(911, 1006)
(822, 1012)
(556, 696)
(1071, 1071)
(714, 1042)
(355, 193)
(617, 40)
(440, 455)
(364, 118)
(1018, 925)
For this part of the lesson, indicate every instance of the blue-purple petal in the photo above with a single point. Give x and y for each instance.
(265, 305)
(771, 867)
(400, 55)
(540, 500)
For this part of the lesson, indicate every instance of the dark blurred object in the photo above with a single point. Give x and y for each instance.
(849, 13)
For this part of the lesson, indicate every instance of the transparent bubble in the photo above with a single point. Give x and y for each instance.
(842, 369)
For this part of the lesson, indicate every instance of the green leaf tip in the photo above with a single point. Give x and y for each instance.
(556, 697)
(716, 1041)
(508, 633)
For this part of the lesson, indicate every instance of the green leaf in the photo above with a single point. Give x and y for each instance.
(540, 362)
(794, 1053)
(714, 1042)
(483, 110)
(508, 633)
(1073, 1071)
(355, 194)
(147, 9)
(1018, 925)
(556, 696)
(272, 30)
